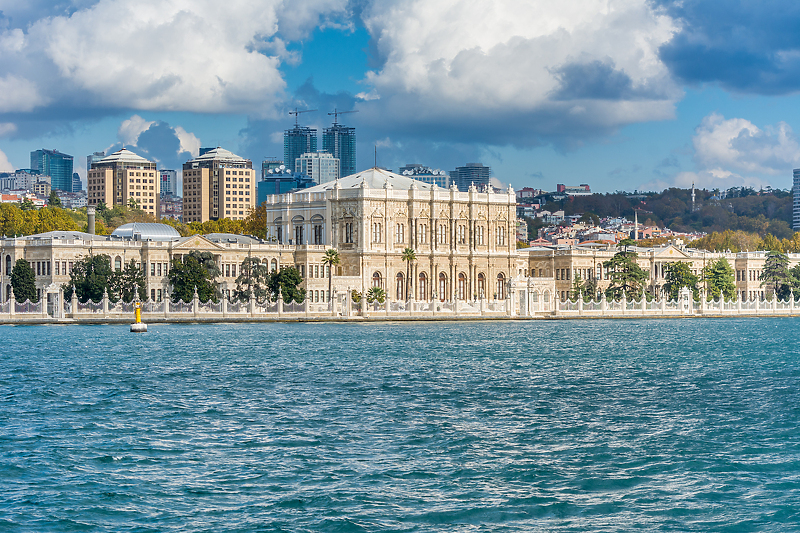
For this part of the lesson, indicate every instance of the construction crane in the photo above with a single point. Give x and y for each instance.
(337, 113)
(296, 114)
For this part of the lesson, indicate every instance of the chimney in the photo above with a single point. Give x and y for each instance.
(90, 215)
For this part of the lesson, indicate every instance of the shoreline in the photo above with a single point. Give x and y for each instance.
(369, 319)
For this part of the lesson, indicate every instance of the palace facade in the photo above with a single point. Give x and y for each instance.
(464, 246)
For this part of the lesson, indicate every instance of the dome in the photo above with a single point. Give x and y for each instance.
(146, 231)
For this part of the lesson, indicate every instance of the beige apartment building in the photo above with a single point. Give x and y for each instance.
(218, 184)
(121, 177)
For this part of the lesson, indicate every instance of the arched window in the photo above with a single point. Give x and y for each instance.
(278, 230)
(376, 279)
(317, 224)
(400, 286)
(8, 265)
(273, 265)
(501, 287)
(423, 286)
(481, 286)
(462, 286)
(118, 263)
(442, 286)
(8, 292)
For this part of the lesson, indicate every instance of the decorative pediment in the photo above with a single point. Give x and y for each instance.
(377, 213)
(463, 215)
(401, 213)
(672, 253)
(424, 214)
(197, 242)
(443, 214)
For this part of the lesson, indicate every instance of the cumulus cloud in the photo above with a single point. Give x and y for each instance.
(175, 55)
(131, 128)
(188, 141)
(739, 145)
(158, 141)
(7, 128)
(734, 153)
(524, 69)
(5, 164)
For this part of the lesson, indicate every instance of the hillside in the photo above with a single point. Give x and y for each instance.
(761, 214)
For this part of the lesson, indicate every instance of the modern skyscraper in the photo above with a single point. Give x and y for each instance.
(298, 141)
(76, 182)
(322, 167)
(56, 165)
(472, 173)
(169, 182)
(796, 200)
(340, 142)
(121, 177)
(94, 158)
(218, 184)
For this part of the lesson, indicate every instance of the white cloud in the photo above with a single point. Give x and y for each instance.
(130, 129)
(575, 62)
(5, 164)
(189, 141)
(7, 128)
(740, 145)
(167, 55)
(18, 94)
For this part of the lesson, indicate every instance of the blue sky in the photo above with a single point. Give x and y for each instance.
(620, 94)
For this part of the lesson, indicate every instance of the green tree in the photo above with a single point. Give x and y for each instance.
(23, 281)
(577, 287)
(133, 204)
(626, 275)
(252, 280)
(376, 294)
(288, 280)
(89, 278)
(54, 200)
(719, 279)
(330, 259)
(27, 205)
(776, 274)
(678, 276)
(196, 269)
(123, 284)
(409, 256)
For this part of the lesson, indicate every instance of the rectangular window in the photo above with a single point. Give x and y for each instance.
(348, 232)
(57, 269)
(152, 269)
(233, 270)
(152, 294)
(227, 271)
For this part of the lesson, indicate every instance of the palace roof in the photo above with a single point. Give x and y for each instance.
(146, 231)
(373, 178)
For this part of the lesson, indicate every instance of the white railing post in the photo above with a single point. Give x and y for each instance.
(73, 302)
(12, 304)
(280, 302)
(224, 306)
(195, 302)
(105, 303)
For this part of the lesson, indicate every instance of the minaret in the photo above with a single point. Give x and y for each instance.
(635, 225)
(692, 197)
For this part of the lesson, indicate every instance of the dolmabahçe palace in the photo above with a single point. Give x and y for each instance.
(464, 244)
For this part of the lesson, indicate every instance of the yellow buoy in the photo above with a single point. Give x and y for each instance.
(137, 326)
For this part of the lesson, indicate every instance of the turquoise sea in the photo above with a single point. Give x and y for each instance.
(656, 425)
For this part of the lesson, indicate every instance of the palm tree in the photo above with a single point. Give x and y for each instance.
(331, 259)
(408, 256)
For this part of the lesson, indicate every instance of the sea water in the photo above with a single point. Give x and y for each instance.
(656, 425)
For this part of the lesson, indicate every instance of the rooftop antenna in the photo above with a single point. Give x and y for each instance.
(337, 113)
(376, 156)
(296, 114)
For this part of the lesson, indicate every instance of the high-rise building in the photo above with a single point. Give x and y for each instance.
(218, 184)
(340, 142)
(54, 164)
(76, 182)
(169, 182)
(322, 167)
(298, 141)
(121, 177)
(471, 174)
(204, 151)
(94, 158)
(273, 166)
(796, 200)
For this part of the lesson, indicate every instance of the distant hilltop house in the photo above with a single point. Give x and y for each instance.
(572, 190)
